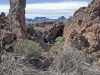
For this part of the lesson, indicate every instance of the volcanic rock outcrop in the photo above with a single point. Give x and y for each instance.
(49, 31)
(85, 22)
(54, 31)
(16, 17)
(4, 31)
(45, 34)
(12, 27)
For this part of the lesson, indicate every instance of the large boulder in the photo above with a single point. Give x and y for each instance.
(30, 30)
(78, 41)
(41, 63)
(9, 37)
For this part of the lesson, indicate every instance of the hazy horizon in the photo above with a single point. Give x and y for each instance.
(50, 9)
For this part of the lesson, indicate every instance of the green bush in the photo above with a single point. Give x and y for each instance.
(60, 38)
(62, 43)
(79, 53)
(93, 56)
(60, 48)
(27, 48)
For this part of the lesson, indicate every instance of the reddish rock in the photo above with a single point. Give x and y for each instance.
(86, 22)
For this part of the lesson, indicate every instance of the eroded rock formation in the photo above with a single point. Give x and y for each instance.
(45, 34)
(49, 31)
(12, 27)
(53, 32)
(16, 16)
(85, 22)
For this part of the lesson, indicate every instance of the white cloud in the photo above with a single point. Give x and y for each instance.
(51, 10)
(56, 6)
(4, 8)
(54, 10)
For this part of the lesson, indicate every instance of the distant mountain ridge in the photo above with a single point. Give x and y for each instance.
(44, 19)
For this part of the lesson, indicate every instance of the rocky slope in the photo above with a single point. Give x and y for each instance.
(82, 31)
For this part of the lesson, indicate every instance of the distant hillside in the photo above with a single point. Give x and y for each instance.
(44, 19)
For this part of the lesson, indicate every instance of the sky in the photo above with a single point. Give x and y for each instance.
(48, 8)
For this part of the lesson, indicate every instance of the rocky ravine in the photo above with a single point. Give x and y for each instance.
(82, 31)
(13, 28)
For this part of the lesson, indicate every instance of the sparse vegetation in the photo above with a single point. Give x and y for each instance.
(72, 62)
(79, 53)
(60, 42)
(93, 56)
(60, 38)
(66, 63)
(27, 48)
(55, 58)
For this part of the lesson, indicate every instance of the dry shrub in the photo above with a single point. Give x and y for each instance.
(67, 62)
(73, 62)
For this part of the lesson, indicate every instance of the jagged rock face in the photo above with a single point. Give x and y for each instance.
(16, 15)
(78, 41)
(46, 33)
(86, 22)
(55, 31)
(50, 31)
(12, 27)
